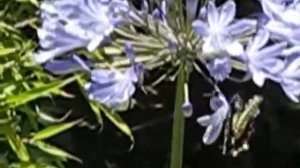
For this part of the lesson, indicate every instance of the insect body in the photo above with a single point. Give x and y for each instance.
(241, 119)
(241, 127)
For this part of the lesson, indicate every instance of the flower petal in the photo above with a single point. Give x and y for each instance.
(258, 78)
(271, 9)
(240, 26)
(274, 50)
(66, 66)
(71, 24)
(211, 134)
(227, 13)
(219, 68)
(200, 28)
(212, 14)
(261, 38)
(129, 51)
(291, 92)
(234, 48)
(204, 120)
(105, 76)
(273, 65)
(292, 50)
(292, 65)
(108, 91)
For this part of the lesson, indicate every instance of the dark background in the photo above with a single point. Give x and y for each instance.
(275, 143)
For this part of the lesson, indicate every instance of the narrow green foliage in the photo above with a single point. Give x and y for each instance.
(6, 51)
(54, 130)
(45, 90)
(116, 119)
(17, 145)
(50, 149)
(94, 106)
(22, 84)
(31, 165)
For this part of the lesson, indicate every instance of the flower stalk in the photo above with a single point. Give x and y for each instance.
(178, 122)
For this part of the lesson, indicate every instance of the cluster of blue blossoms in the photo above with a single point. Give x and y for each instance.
(265, 48)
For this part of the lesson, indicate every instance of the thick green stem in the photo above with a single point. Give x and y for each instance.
(178, 122)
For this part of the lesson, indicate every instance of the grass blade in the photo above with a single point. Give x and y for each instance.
(17, 145)
(24, 97)
(52, 150)
(54, 130)
(117, 120)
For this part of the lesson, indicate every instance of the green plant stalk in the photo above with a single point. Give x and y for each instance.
(178, 122)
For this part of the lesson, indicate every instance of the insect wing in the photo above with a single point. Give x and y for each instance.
(204, 120)
(212, 132)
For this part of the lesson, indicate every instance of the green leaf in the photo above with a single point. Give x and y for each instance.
(178, 123)
(94, 106)
(116, 119)
(44, 117)
(17, 145)
(30, 165)
(5, 51)
(54, 130)
(3, 25)
(52, 150)
(58, 92)
(22, 98)
(97, 112)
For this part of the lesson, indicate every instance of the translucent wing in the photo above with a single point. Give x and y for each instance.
(212, 133)
(204, 120)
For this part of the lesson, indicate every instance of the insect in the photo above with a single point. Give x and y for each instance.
(239, 125)
(214, 122)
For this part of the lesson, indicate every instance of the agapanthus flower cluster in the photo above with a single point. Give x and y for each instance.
(114, 43)
(283, 25)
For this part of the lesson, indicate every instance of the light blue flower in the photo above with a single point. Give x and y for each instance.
(70, 65)
(160, 13)
(264, 62)
(289, 78)
(214, 122)
(71, 24)
(283, 19)
(219, 68)
(107, 86)
(111, 87)
(221, 29)
(139, 68)
(129, 51)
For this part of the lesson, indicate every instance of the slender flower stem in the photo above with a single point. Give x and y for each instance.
(178, 122)
(180, 8)
(186, 92)
(141, 44)
(127, 34)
